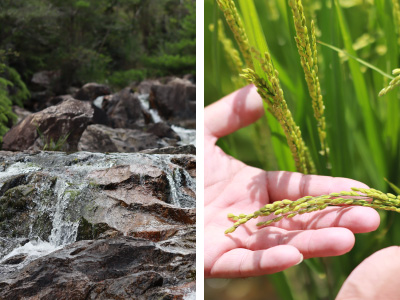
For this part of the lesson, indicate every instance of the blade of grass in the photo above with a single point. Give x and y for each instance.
(370, 122)
(282, 285)
(392, 124)
(393, 186)
(368, 65)
(215, 46)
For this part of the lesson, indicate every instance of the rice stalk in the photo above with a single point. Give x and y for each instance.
(232, 56)
(307, 48)
(271, 92)
(288, 209)
(236, 25)
(396, 17)
(392, 84)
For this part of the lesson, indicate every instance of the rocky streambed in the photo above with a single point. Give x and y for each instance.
(97, 226)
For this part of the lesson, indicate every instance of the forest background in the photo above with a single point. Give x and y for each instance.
(114, 42)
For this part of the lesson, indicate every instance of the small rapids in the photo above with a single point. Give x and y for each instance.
(57, 191)
(188, 136)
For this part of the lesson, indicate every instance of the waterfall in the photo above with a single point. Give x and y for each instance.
(58, 190)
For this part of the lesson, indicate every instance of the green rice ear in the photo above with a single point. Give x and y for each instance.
(289, 209)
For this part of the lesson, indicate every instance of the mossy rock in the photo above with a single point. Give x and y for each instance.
(89, 231)
(19, 216)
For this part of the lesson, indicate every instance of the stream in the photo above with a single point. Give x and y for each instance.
(49, 198)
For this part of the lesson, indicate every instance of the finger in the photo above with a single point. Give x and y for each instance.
(356, 219)
(375, 278)
(291, 185)
(237, 110)
(245, 263)
(311, 243)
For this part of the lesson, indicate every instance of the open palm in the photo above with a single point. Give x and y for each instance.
(233, 187)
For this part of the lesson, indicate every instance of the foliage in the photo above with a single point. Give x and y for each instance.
(49, 144)
(177, 54)
(87, 40)
(122, 79)
(12, 91)
(362, 129)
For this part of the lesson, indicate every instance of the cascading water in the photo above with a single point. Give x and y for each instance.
(58, 191)
(144, 100)
(188, 136)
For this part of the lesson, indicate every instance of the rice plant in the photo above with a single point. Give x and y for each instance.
(321, 65)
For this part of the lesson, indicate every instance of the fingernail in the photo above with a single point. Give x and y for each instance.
(301, 259)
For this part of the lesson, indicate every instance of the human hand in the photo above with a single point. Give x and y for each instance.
(233, 187)
(375, 278)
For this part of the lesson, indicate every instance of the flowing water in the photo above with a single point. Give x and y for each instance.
(188, 136)
(62, 191)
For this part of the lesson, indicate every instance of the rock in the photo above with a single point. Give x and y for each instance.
(46, 78)
(186, 162)
(190, 77)
(117, 268)
(90, 91)
(125, 222)
(100, 138)
(124, 109)
(187, 149)
(63, 122)
(145, 86)
(20, 112)
(162, 129)
(15, 260)
(175, 100)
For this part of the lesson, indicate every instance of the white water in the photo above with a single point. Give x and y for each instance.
(34, 249)
(71, 186)
(190, 296)
(188, 136)
(98, 101)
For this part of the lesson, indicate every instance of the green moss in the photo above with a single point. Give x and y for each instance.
(89, 231)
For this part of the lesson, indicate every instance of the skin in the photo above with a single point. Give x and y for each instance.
(375, 278)
(233, 187)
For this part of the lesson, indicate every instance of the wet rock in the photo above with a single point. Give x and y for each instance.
(63, 123)
(174, 100)
(187, 149)
(100, 138)
(162, 129)
(20, 215)
(14, 260)
(58, 197)
(117, 268)
(186, 162)
(124, 109)
(91, 91)
(145, 86)
(125, 222)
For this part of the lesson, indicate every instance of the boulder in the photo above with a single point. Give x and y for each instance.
(90, 91)
(145, 86)
(45, 79)
(124, 109)
(187, 149)
(121, 226)
(56, 127)
(100, 138)
(162, 129)
(116, 268)
(174, 100)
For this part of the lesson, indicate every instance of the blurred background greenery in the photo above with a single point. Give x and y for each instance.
(106, 41)
(363, 129)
